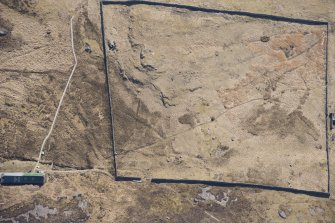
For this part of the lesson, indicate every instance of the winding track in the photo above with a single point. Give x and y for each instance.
(61, 100)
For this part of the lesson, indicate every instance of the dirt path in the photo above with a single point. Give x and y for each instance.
(60, 102)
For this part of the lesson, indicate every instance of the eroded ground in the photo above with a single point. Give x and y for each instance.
(36, 59)
(219, 97)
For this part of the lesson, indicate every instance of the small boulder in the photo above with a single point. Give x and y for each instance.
(3, 32)
(282, 214)
(88, 49)
(111, 45)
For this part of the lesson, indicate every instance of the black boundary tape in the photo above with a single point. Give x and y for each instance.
(204, 182)
(110, 104)
(326, 110)
(247, 185)
(230, 12)
(125, 178)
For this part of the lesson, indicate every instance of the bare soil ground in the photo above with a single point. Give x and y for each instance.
(245, 103)
(196, 95)
(35, 62)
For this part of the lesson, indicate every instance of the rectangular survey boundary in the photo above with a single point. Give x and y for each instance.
(230, 12)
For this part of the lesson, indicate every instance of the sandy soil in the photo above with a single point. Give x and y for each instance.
(233, 105)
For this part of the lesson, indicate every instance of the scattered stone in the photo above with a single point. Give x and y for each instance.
(223, 151)
(3, 32)
(207, 197)
(205, 103)
(39, 212)
(282, 214)
(83, 205)
(265, 39)
(9, 103)
(77, 195)
(175, 159)
(142, 56)
(316, 210)
(288, 51)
